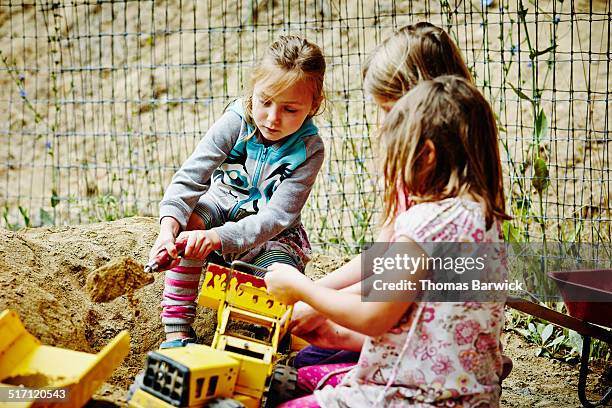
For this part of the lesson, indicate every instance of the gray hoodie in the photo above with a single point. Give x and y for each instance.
(268, 183)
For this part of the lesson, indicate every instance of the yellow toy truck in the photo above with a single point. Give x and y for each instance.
(236, 370)
(34, 375)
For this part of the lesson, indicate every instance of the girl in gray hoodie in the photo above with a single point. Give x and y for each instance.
(242, 190)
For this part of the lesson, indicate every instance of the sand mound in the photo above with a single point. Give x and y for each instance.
(43, 275)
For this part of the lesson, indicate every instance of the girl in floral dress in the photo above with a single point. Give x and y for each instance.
(411, 54)
(440, 144)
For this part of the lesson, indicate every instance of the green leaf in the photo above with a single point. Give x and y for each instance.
(546, 333)
(532, 328)
(541, 179)
(538, 351)
(24, 214)
(54, 198)
(576, 341)
(541, 127)
(556, 341)
(520, 93)
(524, 332)
(45, 217)
(511, 233)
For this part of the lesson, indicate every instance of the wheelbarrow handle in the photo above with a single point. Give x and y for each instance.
(163, 259)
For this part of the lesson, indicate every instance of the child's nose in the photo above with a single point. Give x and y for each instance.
(273, 115)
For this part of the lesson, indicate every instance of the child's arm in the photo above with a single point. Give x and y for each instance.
(347, 277)
(344, 308)
(305, 318)
(192, 180)
(331, 335)
(350, 273)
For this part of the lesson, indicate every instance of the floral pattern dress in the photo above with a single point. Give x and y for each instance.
(440, 354)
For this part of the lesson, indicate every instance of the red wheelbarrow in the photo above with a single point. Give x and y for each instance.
(587, 295)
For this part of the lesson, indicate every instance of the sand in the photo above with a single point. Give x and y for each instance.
(43, 276)
(120, 277)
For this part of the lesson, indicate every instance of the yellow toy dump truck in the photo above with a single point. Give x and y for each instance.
(236, 370)
(32, 374)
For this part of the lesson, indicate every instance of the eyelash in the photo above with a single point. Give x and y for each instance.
(265, 102)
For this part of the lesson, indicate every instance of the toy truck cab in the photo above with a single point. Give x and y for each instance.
(237, 369)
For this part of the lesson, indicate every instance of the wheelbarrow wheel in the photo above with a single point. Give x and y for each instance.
(283, 386)
(225, 403)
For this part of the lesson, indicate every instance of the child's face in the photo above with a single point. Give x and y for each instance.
(280, 115)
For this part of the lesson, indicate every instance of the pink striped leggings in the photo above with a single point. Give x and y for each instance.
(180, 293)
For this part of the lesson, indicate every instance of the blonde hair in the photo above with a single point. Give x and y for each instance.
(453, 115)
(295, 59)
(411, 54)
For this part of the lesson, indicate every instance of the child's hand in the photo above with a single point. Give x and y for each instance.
(330, 335)
(200, 243)
(305, 319)
(284, 283)
(165, 240)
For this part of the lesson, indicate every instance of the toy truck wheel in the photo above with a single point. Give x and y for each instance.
(225, 403)
(282, 386)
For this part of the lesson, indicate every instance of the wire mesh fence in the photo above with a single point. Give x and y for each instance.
(103, 100)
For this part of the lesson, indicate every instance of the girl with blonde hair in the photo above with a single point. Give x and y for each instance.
(241, 192)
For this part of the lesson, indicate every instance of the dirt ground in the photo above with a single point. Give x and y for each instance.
(43, 277)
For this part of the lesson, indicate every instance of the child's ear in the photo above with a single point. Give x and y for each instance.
(430, 152)
(316, 104)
